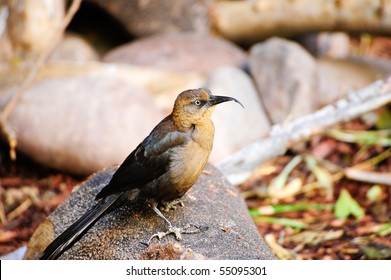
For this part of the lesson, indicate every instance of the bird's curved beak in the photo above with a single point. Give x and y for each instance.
(216, 99)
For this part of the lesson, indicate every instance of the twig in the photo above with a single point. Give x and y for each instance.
(375, 137)
(368, 176)
(6, 130)
(239, 166)
(20, 209)
(373, 161)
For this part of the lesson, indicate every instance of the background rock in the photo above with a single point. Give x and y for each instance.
(285, 75)
(213, 203)
(82, 124)
(337, 77)
(179, 52)
(31, 25)
(328, 44)
(74, 48)
(142, 17)
(236, 127)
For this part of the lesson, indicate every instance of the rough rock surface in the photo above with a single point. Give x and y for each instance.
(179, 52)
(227, 230)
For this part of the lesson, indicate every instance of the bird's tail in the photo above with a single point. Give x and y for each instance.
(73, 233)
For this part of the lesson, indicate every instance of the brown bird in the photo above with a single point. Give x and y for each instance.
(162, 168)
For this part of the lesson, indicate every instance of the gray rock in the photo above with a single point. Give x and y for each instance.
(179, 52)
(84, 123)
(285, 74)
(328, 44)
(236, 127)
(213, 203)
(337, 77)
(74, 48)
(142, 17)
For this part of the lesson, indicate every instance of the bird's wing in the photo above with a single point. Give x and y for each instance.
(146, 163)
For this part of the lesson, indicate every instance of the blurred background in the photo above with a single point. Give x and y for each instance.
(83, 82)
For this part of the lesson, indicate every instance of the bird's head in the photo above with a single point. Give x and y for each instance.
(195, 106)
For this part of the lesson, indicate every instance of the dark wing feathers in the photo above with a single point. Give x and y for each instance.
(146, 163)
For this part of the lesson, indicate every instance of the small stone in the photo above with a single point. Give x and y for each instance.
(328, 44)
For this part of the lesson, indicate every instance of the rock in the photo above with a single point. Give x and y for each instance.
(228, 231)
(285, 75)
(84, 123)
(31, 25)
(143, 18)
(164, 86)
(170, 251)
(161, 83)
(337, 77)
(74, 48)
(179, 52)
(236, 127)
(328, 44)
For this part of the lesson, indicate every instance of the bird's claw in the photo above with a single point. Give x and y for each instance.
(172, 205)
(176, 231)
(171, 230)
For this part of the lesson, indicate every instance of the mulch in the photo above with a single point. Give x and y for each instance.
(356, 238)
(29, 193)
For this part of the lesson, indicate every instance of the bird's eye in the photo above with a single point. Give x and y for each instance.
(197, 102)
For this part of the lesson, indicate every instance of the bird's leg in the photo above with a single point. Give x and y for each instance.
(172, 205)
(171, 229)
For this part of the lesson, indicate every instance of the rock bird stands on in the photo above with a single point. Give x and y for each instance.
(161, 169)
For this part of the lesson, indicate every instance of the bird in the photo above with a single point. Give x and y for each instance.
(159, 171)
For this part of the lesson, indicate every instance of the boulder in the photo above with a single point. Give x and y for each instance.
(286, 77)
(336, 78)
(84, 123)
(73, 48)
(179, 52)
(227, 230)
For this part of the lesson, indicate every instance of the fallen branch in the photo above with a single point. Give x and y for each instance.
(6, 130)
(239, 166)
(368, 176)
(247, 22)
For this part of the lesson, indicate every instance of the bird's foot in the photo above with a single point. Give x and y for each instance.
(166, 207)
(176, 231)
